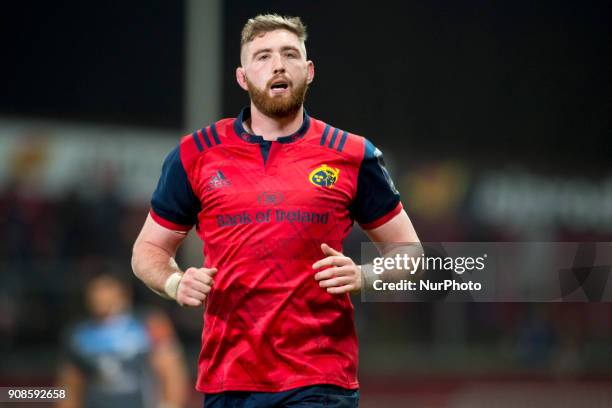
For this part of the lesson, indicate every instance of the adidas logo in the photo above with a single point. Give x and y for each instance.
(218, 180)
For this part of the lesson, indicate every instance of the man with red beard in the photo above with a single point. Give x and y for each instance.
(273, 193)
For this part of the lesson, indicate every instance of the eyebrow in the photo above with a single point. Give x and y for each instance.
(285, 48)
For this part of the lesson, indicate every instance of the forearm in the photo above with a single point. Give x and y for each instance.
(71, 379)
(172, 375)
(153, 265)
(395, 238)
(394, 270)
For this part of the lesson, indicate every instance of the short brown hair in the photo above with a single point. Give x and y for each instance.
(264, 23)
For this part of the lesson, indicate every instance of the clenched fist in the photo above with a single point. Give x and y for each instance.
(194, 286)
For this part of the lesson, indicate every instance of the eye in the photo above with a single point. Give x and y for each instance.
(263, 57)
(291, 54)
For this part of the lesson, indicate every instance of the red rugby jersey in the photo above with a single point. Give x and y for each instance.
(262, 210)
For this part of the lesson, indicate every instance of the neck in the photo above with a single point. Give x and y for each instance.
(273, 128)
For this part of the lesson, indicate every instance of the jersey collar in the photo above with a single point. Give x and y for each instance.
(245, 114)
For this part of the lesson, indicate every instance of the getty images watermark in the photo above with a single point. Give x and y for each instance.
(413, 264)
(487, 272)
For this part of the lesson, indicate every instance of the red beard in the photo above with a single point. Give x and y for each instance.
(278, 106)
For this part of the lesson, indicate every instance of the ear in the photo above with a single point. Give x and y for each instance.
(311, 71)
(241, 78)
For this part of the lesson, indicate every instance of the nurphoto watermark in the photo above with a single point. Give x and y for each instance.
(487, 272)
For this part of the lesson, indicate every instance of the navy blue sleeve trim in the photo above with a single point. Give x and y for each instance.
(174, 199)
(376, 194)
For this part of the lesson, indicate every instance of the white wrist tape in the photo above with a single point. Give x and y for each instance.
(172, 284)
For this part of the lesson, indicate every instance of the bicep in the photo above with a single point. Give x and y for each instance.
(398, 229)
(161, 237)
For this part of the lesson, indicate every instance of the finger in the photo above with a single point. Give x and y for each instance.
(327, 250)
(340, 290)
(203, 278)
(331, 261)
(336, 282)
(333, 272)
(199, 271)
(197, 286)
(191, 302)
(190, 293)
(188, 301)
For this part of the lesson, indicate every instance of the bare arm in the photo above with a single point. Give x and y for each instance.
(170, 370)
(153, 263)
(72, 380)
(168, 363)
(343, 275)
(397, 229)
(153, 254)
(397, 236)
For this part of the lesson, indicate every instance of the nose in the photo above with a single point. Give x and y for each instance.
(278, 66)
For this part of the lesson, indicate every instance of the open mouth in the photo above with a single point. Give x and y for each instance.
(279, 85)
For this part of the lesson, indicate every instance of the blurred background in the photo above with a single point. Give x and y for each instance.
(495, 121)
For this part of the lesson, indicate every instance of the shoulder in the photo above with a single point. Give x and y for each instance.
(342, 142)
(77, 334)
(202, 141)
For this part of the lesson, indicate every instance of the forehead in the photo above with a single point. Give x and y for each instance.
(273, 39)
(104, 285)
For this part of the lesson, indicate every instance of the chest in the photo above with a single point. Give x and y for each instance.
(292, 176)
